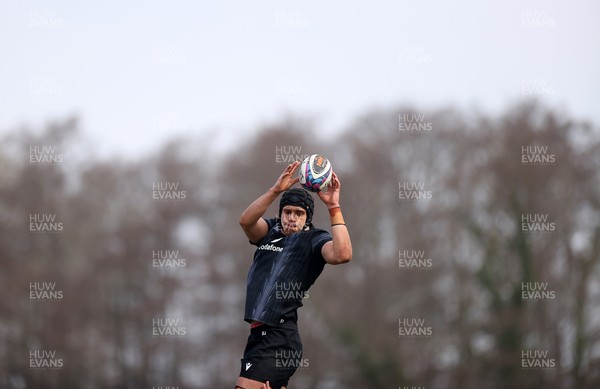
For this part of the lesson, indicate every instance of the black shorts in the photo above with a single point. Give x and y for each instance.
(272, 354)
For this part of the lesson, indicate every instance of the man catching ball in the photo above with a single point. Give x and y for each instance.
(291, 254)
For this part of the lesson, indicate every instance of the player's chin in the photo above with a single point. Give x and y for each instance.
(291, 228)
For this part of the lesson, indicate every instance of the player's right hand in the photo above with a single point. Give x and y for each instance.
(286, 179)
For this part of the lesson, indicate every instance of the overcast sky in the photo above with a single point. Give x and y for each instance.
(139, 72)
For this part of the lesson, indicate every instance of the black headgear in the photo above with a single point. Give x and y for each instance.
(300, 198)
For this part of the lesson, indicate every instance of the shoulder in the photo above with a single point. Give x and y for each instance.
(318, 239)
(319, 233)
(272, 228)
(271, 223)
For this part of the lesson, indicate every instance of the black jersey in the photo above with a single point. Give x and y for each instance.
(283, 270)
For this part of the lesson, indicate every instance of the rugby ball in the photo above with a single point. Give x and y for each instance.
(315, 172)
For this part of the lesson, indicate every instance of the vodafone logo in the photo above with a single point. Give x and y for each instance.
(270, 247)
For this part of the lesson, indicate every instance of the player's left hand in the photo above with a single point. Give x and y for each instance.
(331, 197)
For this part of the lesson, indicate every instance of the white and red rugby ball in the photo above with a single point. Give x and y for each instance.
(315, 172)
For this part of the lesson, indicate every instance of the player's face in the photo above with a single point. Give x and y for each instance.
(293, 219)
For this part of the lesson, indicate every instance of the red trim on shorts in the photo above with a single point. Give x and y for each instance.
(256, 324)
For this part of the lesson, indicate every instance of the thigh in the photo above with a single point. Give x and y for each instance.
(245, 383)
(272, 354)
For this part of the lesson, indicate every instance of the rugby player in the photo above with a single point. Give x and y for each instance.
(291, 254)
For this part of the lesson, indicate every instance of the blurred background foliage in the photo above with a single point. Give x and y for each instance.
(471, 230)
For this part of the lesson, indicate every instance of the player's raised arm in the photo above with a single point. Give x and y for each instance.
(251, 220)
(339, 250)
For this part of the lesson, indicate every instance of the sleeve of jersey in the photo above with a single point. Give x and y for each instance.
(319, 239)
(270, 224)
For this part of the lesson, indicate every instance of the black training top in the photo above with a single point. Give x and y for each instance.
(283, 269)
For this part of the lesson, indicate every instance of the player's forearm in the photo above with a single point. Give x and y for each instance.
(342, 245)
(258, 208)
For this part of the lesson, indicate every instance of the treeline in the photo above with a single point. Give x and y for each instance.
(476, 248)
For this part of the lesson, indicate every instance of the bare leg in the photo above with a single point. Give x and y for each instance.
(246, 383)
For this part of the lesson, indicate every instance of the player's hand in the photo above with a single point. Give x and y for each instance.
(266, 386)
(331, 197)
(286, 180)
